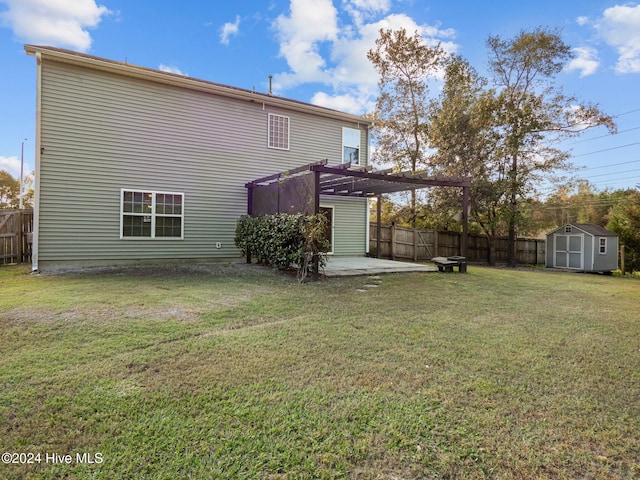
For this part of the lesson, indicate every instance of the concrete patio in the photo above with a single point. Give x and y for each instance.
(348, 266)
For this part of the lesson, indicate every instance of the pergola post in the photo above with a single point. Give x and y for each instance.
(316, 211)
(465, 221)
(378, 225)
(249, 212)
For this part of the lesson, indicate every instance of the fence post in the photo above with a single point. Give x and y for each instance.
(19, 238)
(378, 225)
(393, 241)
(622, 258)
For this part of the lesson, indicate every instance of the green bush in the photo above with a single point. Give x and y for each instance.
(284, 240)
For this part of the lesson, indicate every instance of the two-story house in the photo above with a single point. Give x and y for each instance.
(135, 164)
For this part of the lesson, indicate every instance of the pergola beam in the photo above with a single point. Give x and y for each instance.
(278, 176)
(409, 180)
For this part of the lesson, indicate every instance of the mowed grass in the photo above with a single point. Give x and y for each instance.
(231, 371)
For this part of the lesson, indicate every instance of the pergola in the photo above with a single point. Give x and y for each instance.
(299, 189)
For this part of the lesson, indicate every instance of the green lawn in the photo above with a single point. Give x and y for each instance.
(223, 371)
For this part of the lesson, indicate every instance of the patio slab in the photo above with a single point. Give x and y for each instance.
(349, 266)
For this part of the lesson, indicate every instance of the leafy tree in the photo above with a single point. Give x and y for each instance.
(533, 114)
(625, 221)
(9, 191)
(461, 132)
(406, 65)
(586, 205)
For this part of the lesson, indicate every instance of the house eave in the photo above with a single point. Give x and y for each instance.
(167, 78)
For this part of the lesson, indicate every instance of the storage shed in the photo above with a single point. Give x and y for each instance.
(582, 247)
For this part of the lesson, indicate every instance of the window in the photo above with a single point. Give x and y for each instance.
(351, 146)
(568, 229)
(603, 246)
(278, 132)
(145, 214)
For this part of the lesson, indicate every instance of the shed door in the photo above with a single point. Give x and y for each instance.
(569, 251)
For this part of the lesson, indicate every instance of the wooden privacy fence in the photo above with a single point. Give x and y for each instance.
(414, 244)
(16, 227)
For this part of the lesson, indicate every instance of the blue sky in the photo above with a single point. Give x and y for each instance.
(316, 52)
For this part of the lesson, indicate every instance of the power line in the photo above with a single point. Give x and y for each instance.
(611, 165)
(606, 150)
(610, 134)
(614, 173)
(606, 135)
(627, 113)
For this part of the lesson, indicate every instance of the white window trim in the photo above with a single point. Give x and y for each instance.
(153, 214)
(333, 225)
(601, 244)
(345, 144)
(272, 115)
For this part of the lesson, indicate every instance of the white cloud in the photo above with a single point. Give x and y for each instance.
(11, 165)
(228, 30)
(309, 23)
(620, 28)
(59, 23)
(361, 10)
(582, 21)
(351, 103)
(321, 47)
(169, 69)
(586, 61)
(371, 5)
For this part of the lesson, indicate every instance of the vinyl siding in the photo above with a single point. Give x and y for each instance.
(102, 132)
(350, 222)
(608, 261)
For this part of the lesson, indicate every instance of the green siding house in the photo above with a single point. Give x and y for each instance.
(135, 164)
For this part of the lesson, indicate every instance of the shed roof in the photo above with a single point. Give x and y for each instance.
(590, 228)
(159, 76)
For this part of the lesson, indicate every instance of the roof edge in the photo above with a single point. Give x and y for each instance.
(124, 68)
(596, 230)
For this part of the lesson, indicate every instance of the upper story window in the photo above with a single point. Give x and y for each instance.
(351, 146)
(278, 132)
(148, 214)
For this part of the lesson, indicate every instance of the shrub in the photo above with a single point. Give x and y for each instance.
(284, 240)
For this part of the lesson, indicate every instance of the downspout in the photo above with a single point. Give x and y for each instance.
(35, 246)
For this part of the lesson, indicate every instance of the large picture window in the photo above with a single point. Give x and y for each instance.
(351, 146)
(149, 214)
(278, 132)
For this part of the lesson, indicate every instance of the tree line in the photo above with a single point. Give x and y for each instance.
(502, 131)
